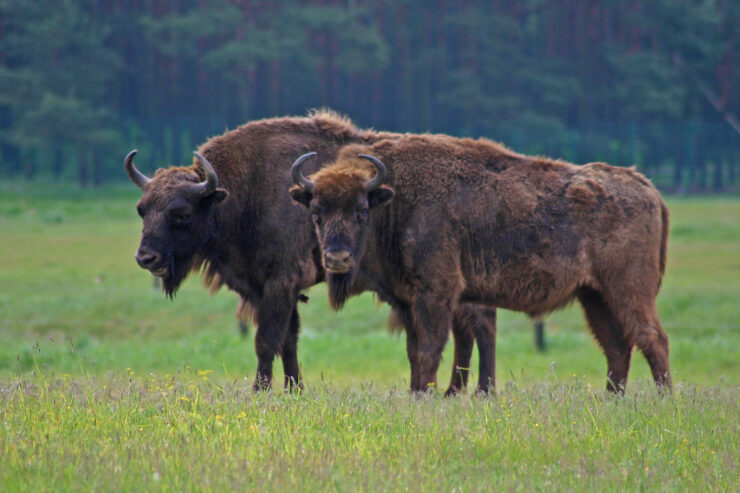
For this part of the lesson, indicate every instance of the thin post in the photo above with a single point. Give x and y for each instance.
(539, 334)
(243, 328)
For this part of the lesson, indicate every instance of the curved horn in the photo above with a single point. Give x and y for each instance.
(379, 177)
(209, 186)
(139, 178)
(298, 177)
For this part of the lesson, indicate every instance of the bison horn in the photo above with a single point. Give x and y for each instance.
(139, 178)
(209, 186)
(379, 177)
(298, 177)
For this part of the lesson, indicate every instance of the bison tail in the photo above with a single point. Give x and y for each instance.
(663, 240)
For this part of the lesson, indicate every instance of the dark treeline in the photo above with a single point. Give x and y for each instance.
(647, 82)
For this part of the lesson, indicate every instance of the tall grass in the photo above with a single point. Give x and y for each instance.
(181, 433)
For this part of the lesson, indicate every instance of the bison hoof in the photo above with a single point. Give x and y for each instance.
(293, 386)
(451, 390)
(483, 391)
(261, 384)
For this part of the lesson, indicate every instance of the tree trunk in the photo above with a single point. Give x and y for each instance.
(82, 171)
(58, 164)
(717, 178)
(29, 160)
(97, 166)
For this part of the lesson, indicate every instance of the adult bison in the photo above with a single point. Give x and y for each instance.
(472, 221)
(228, 215)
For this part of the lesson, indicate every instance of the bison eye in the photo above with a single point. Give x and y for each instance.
(179, 215)
(316, 218)
(140, 210)
(362, 215)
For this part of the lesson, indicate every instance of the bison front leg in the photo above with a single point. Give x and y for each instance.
(469, 321)
(274, 315)
(432, 321)
(290, 355)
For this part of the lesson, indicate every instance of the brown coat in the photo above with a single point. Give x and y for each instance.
(472, 221)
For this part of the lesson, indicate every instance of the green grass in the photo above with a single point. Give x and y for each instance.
(105, 384)
(183, 433)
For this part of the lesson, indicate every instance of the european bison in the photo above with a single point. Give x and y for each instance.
(465, 220)
(228, 215)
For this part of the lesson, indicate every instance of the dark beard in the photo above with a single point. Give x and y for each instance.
(340, 288)
(176, 274)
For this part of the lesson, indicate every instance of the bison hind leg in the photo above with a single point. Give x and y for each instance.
(637, 320)
(464, 340)
(610, 335)
(482, 320)
(474, 322)
(653, 342)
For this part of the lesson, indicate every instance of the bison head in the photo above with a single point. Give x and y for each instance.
(177, 209)
(340, 198)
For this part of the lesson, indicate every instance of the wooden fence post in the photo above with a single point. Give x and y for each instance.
(539, 334)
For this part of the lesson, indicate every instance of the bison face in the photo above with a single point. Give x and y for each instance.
(177, 210)
(341, 203)
(342, 231)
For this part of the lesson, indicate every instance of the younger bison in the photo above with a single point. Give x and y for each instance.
(462, 220)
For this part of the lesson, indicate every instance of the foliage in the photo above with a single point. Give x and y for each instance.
(585, 80)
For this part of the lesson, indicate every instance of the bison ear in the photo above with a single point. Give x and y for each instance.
(380, 196)
(300, 195)
(218, 196)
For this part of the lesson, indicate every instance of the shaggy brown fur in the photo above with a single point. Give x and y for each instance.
(248, 235)
(472, 221)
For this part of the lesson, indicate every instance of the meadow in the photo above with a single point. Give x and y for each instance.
(107, 385)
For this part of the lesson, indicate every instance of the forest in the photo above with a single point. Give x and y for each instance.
(651, 83)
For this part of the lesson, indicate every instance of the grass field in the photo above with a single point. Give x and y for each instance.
(106, 385)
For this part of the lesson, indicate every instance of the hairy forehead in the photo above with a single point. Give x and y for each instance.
(342, 184)
(167, 184)
(339, 190)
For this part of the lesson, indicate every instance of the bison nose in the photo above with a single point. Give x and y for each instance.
(147, 258)
(339, 261)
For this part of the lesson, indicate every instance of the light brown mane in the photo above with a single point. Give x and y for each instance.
(345, 177)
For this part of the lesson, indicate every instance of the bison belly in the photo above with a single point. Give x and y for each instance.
(532, 267)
